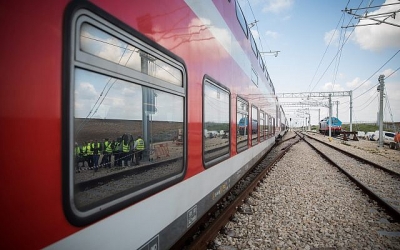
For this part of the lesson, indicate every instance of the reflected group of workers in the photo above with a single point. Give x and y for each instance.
(94, 154)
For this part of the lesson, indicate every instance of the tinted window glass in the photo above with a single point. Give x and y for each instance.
(109, 116)
(254, 125)
(216, 127)
(254, 77)
(242, 118)
(253, 45)
(111, 48)
(123, 118)
(241, 19)
(262, 126)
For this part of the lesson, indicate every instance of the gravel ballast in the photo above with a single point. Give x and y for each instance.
(305, 203)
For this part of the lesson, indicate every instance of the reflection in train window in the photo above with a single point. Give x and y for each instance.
(241, 18)
(253, 45)
(216, 102)
(254, 125)
(269, 125)
(254, 76)
(242, 119)
(260, 60)
(99, 43)
(272, 126)
(262, 126)
(124, 128)
(109, 116)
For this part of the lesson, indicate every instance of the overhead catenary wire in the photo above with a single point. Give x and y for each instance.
(326, 49)
(378, 71)
(374, 86)
(337, 53)
(336, 70)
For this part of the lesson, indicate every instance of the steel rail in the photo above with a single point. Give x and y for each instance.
(202, 240)
(357, 157)
(393, 211)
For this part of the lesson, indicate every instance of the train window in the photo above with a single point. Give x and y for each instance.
(216, 127)
(125, 126)
(241, 19)
(254, 76)
(269, 125)
(262, 126)
(273, 126)
(254, 125)
(260, 60)
(253, 45)
(242, 120)
(99, 43)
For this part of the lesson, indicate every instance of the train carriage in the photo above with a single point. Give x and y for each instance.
(84, 81)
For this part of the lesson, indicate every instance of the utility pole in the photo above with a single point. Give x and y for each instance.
(330, 116)
(319, 115)
(381, 88)
(351, 111)
(337, 110)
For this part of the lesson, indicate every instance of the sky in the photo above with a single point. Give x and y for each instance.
(320, 52)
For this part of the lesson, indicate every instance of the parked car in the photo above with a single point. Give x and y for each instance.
(388, 137)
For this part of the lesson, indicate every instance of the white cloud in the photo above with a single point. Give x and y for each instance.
(86, 90)
(357, 82)
(378, 37)
(276, 6)
(271, 34)
(331, 37)
(388, 72)
(329, 86)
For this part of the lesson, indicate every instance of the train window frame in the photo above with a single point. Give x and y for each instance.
(246, 114)
(74, 59)
(269, 125)
(254, 76)
(273, 126)
(241, 19)
(253, 45)
(255, 110)
(261, 61)
(207, 163)
(262, 126)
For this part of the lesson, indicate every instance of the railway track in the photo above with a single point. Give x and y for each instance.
(237, 199)
(379, 182)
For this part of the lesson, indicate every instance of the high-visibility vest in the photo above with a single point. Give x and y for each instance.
(117, 147)
(84, 151)
(125, 147)
(140, 144)
(89, 149)
(107, 144)
(77, 150)
(98, 148)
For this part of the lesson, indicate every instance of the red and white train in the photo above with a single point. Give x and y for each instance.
(77, 72)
